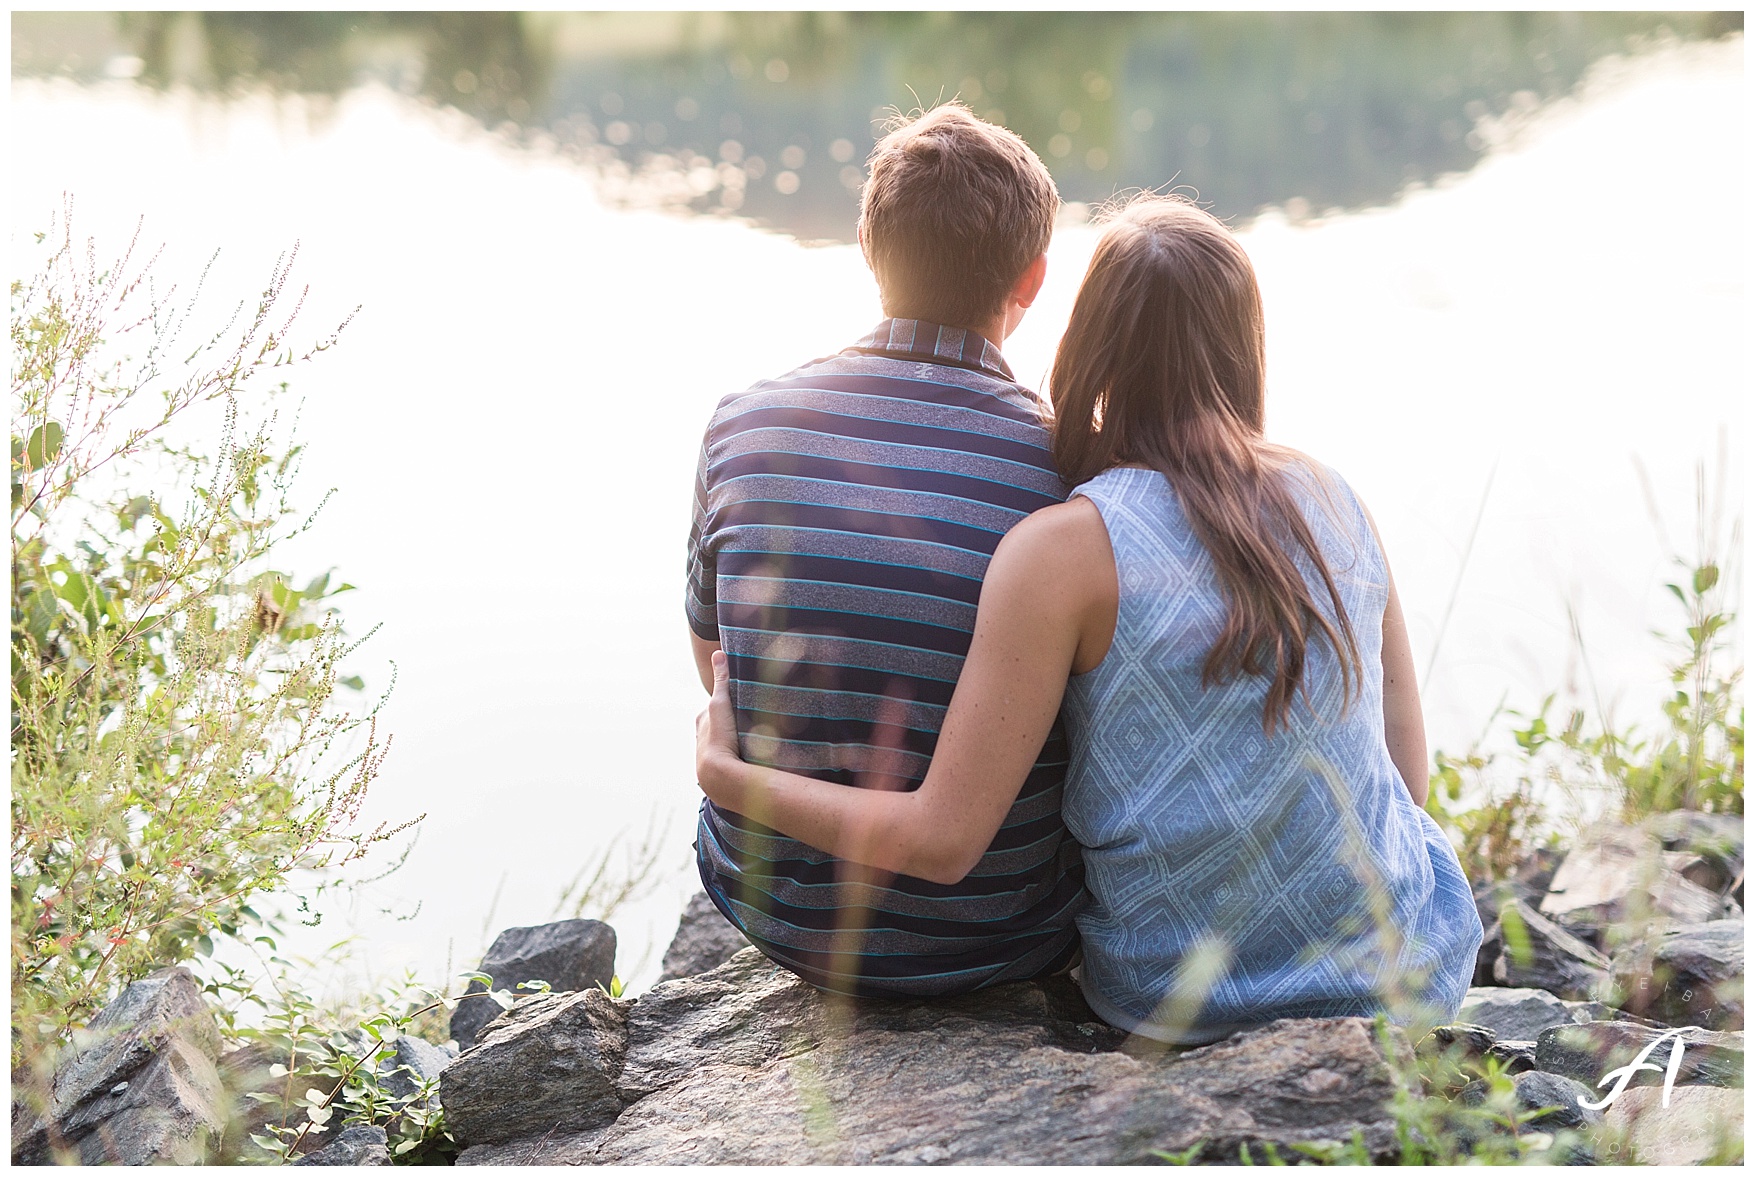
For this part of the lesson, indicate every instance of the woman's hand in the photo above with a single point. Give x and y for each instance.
(716, 757)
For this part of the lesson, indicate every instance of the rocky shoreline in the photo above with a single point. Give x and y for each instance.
(1629, 938)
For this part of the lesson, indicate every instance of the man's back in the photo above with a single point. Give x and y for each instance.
(844, 517)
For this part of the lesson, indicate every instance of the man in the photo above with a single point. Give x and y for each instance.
(844, 516)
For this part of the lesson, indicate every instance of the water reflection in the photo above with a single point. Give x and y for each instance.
(770, 114)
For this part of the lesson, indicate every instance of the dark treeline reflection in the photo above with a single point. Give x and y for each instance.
(770, 115)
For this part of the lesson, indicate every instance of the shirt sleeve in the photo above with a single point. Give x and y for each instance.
(702, 601)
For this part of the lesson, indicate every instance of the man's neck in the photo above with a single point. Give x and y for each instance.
(994, 330)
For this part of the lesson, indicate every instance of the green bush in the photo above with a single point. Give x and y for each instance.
(330, 1067)
(177, 750)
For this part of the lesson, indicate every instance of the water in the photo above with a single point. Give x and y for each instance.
(512, 420)
(770, 114)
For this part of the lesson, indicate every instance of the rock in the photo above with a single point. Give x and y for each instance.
(142, 1087)
(1537, 1090)
(1713, 844)
(1489, 898)
(571, 955)
(1469, 1040)
(1716, 836)
(417, 1062)
(360, 1144)
(1516, 1057)
(1556, 960)
(1690, 975)
(749, 1065)
(1590, 1051)
(744, 1013)
(1453, 1057)
(1537, 869)
(1620, 878)
(550, 1061)
(1515, 1013)
(1700, 1125)
(704, 940)
(1708, 872)
(1488, 953)
(1597, 1011)
(1544, 1089)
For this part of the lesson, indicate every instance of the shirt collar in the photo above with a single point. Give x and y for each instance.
(916, 339)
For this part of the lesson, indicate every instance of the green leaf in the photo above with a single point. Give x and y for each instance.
(503, 998)
(1185, 1157)
(278, 1071)
(130, 513)
(44, 444)
(1705, 577)
(406, 1146)
(319, 1116)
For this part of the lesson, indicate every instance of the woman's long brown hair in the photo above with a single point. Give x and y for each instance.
(1163, 365)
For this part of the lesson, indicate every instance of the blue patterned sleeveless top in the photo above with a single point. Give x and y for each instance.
(1237, 878)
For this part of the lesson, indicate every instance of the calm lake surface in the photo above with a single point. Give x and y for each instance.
(512, 419)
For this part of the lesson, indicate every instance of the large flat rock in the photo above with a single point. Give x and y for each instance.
(748, 1065)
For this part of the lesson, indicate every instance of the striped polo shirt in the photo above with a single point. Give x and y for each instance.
(844, 517)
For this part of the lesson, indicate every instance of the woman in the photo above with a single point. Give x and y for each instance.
(1248, 758)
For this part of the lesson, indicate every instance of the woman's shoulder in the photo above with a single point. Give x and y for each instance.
(1302, 467)
(1130, 481)
(1314, 478)
(1326, 494)
(1057, 529)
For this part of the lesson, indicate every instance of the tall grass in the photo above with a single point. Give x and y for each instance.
(1564, 768)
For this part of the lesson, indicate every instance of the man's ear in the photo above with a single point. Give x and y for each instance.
(1029, 283)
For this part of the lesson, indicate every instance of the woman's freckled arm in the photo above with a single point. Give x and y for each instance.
(1043, 588)
(1404, 727)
